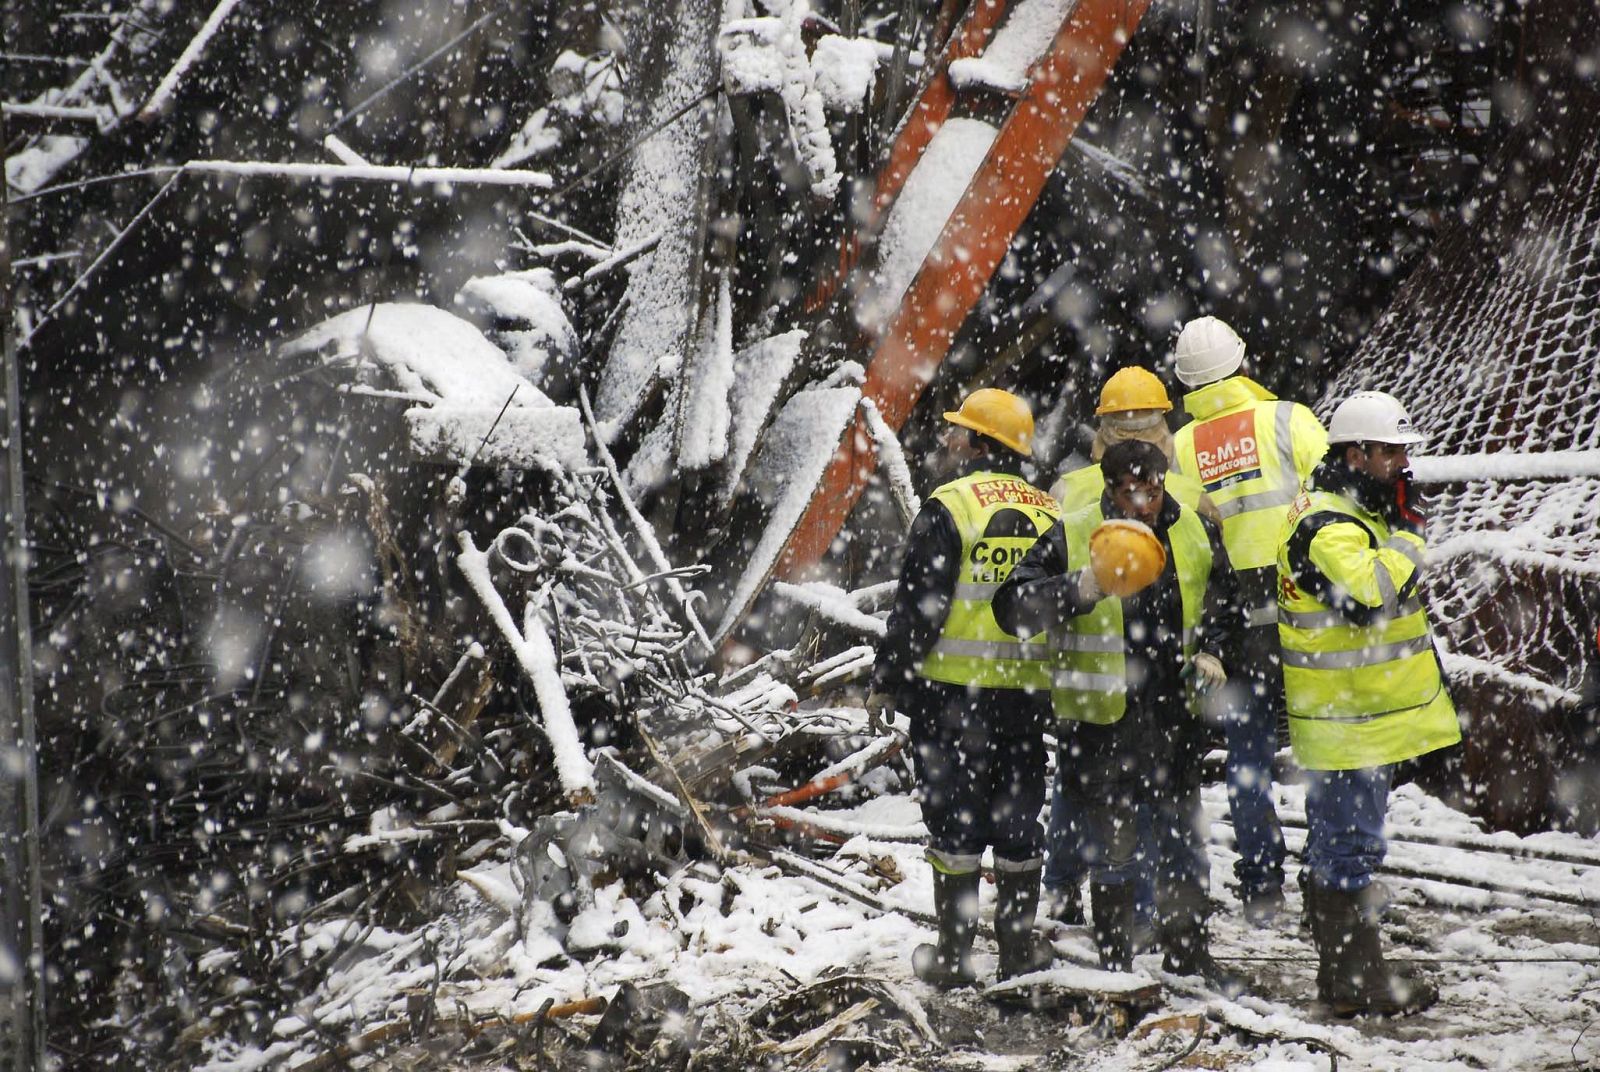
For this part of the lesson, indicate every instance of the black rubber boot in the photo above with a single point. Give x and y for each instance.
(1186, 944)
(1353, 979)
(1111, 909)
(1015, 909)
(1065, 905)
(949, 963)
(1317, 923)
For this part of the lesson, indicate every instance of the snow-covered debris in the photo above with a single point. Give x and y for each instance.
(797, 450)
(833, 604)
(420, 349)
(523, 437)
(664, 194)
(1016, 46)
(1506, 465)
(585, 88)
(536, 655)
(31, 167)
(901, 488)
(528, 320)
(759, 372)
(846, 68)
(467, 384)
(588, 86)
(750, 61)
(705, 416)
(769, 55)
(535, 138)
(754, 60)
(921, 211)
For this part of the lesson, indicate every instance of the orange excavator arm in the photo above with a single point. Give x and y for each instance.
(1062, 85)
(922, 122)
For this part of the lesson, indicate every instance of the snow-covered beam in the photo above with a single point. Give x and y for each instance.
(404, 176)
(1504, 465)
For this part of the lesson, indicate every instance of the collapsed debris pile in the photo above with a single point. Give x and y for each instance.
(391, 669)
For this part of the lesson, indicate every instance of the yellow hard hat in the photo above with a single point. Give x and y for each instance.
(1133, 388)
(1126, 556)
(998, 414)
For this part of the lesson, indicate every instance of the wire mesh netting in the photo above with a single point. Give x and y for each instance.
(1494, 346)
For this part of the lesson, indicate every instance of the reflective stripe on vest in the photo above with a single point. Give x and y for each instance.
(1091, 670)
(972, 649)
(1341, 680)
(1245, 463)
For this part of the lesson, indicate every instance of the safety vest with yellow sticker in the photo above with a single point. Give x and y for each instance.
(1359, 695)
(1090, 682)
(999, 517)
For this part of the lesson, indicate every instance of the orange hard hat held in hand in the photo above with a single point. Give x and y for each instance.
(1126, 556)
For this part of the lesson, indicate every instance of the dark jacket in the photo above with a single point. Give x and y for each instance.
(928, 575)
(1158, 735)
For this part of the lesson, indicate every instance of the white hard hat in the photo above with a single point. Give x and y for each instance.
(1372, 417)
(1208, 350)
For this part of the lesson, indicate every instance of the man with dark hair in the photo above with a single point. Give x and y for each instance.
(1140, 604)
(974, 695)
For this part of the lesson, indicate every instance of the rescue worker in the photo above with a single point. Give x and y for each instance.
(1251, 452)
(1139, 601)
(1133, 404)
(1363, 684)
(977, 698)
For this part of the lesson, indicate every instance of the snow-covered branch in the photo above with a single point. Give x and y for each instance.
(161, 99)
(405, 176)
(536, 655)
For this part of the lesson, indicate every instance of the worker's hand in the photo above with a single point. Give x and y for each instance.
(1407, 505)
(880, 713)
(1089, 590)
(1209, 676)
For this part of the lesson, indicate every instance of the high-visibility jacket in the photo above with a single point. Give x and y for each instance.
(1083, 487)
(1359, 695)
(1250, 452)
(972, 649)
(1091, 666)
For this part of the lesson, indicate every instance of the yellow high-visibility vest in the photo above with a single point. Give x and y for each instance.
(1358, 695)
(1083, 487)
(972, 649)
(1091, 666)
(1250, 452)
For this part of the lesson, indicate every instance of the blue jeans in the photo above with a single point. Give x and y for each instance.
(1344, 814)
(1250, 729)
(1073, 847)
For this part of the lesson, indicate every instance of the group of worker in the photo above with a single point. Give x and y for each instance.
(1248, 567)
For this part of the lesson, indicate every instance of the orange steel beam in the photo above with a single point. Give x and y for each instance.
(911, 140)
(1062, 86)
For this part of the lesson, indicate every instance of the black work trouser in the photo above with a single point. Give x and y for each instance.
(979, 757)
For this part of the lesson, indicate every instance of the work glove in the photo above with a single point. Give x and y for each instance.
(1089, 590)
(1407, 505)
(1209, 676)
(880, 713)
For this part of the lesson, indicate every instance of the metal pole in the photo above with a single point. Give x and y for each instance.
(22, 1030)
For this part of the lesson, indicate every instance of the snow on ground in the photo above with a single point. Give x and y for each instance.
(1519, 974)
